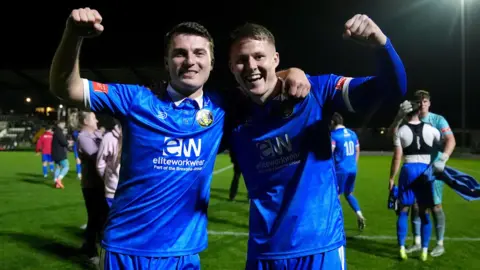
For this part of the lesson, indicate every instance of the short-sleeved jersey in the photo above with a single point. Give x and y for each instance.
(344, 144)
(417, 141)
(439, 122)
(44, 143)
(167, 160)
(285, 155)
(284, 152)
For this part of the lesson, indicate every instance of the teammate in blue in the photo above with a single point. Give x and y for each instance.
(346, 151)
(439, 157)
(414, 142)
(75, 153)
(170, 141)
(284, 149)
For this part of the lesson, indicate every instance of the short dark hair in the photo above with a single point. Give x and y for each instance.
(253, 31)
(188, 28)
(416, 104)
(421, 94)
(337, 119)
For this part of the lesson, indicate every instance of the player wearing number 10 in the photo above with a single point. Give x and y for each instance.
(346, 151)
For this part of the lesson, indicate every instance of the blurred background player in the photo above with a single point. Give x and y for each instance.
(108, 161)
(414, 141)
(75, 153)
(346, 151)
(59, 153)
(439, 157)
(44, 146)
(93, 189)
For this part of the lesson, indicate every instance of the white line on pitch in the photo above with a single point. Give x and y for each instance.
(367, 237)
(222, 169)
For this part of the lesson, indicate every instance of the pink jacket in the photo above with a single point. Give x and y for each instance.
(108, 162)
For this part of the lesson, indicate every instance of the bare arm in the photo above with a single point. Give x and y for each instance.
(450, 144)
(405, 108)
(357, 155)
(65, 81)
(395, 165)
(394, 126)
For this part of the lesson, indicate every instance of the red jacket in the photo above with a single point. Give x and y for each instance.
(44, 143)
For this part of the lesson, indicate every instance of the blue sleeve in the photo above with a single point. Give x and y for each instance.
(361, 94)
(113, 99)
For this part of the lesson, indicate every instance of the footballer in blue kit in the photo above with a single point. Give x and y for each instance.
(440, 156)
(346, 151)
(284, 150)
(171, 137)
(414, 143)
(75, 153)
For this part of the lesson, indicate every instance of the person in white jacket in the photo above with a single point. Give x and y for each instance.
(108, 161)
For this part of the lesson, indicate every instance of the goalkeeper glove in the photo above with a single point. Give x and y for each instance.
(440, 162)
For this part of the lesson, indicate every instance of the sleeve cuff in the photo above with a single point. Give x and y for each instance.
(86, 93)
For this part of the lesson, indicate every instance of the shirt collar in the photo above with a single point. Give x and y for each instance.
(339, 127)
(179, 98)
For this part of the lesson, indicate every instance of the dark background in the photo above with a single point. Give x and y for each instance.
(426, 34)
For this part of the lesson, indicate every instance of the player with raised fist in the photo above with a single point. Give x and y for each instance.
(171, 137)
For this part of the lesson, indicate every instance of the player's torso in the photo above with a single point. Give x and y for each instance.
(345, 150)
(432, 119)
(417, 141)
(168, 154)
(286, 163)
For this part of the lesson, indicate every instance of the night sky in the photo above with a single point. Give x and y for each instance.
(426, 34)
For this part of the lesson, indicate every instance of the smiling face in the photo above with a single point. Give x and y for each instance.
(253, 60)
(189, 57)
(189, 63)
(253, 64)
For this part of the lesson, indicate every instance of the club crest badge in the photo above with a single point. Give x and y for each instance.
(204, 117)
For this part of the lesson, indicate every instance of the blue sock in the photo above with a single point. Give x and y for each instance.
(402, 228)
(52, 167)
(426, 230)
(79, 168)
(45, 171)
(353, 202)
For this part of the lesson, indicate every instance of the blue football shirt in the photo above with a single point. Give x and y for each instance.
(344, 142)
(168, 156)
(285, 155)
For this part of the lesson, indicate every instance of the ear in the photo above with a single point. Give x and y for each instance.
(213, 64)
(276, 59)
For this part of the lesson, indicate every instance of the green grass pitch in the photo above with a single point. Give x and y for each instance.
(39, 225)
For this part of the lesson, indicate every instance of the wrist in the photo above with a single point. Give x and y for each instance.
(383, 40)
(444, 157)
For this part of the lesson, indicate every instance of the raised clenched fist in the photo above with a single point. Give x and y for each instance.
(85, 22)
(364, 30)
